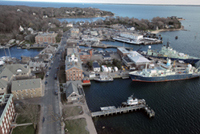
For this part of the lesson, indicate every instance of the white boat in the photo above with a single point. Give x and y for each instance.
(133, 101)
(107, 108)
(103, 78)
(127, 40)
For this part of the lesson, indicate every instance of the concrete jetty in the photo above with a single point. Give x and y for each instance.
(120, 110)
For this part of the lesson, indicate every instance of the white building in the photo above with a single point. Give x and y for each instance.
(131, 36)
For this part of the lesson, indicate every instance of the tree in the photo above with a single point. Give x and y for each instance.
(30, 112)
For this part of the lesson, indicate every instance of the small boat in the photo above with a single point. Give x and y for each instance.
(133, 101)
(107, 108)
(103, 78)
(18, 47)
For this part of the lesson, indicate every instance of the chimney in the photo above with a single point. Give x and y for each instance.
(90, 52)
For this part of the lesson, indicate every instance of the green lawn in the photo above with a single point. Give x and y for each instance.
(76, 126)
(21, 120)
(72, 111)
(24, 130)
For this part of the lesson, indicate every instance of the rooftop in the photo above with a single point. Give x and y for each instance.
(137, 58)
(123, 50)
(47, 34)
(26, 84)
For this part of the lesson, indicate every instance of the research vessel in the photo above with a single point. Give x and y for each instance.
(168, 52)
(165, 73)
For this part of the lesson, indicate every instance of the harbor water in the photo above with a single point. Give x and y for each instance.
(176, 104)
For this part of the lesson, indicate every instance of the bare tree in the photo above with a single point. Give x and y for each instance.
(30, 112)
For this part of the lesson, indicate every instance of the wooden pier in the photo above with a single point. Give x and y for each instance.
(120, 110)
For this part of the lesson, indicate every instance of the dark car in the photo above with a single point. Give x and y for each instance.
(46, 82)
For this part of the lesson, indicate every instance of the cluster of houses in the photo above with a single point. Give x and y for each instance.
(74, 75)
(17, 81)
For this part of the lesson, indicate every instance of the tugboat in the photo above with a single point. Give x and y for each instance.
(133, 101)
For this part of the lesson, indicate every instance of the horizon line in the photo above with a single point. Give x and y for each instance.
(157, 4)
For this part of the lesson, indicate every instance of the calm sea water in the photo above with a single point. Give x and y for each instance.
(176, 103)
(14, 52)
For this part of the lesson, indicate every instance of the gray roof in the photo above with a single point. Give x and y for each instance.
(14, 67)
(69, 65)
(26, 84)
(72, 87)
(6, 72)
(3, 83)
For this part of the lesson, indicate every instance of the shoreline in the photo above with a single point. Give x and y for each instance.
(83, 17)
(167, 30)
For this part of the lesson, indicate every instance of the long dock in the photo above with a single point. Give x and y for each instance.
(120, 110)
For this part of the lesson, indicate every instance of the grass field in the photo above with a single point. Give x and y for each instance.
(24, 130)
(77, 126)
(72, 111)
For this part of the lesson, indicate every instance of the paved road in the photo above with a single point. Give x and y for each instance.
(51, 102)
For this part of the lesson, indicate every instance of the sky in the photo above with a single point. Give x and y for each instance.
(168, 2)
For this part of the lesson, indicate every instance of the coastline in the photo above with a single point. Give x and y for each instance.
(166, 30)
(75, 17)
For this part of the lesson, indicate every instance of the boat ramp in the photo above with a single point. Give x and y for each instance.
(113, 110)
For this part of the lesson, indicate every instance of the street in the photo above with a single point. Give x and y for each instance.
(51, 123)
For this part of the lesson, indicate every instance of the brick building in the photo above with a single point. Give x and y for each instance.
(30, 88)
(73, 67)
(49, 38)
(85, 55)
(7, 113)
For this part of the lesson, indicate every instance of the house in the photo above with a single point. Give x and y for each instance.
(107, 56)
(69, 25)
(3, 86)
(37, 66)
(29, 88)
(96, 67)
(25, 59)
(8, 72)
(73, 67)
(72, 89)
(49, 38)
(7, 113)
(74, 32)
(85, 55)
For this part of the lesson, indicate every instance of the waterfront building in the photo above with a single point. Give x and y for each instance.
(134, 59)
(7, 113)
(131, 36)
(72, 89)
(107, 56)
(96, 67)
(29, 88)
(25, 59)
(122, 51)
(73, 67)
(49, 38)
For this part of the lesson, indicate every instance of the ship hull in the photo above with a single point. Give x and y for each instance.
(163, 78)
(127, 41)
(98, 80)
(190, 61)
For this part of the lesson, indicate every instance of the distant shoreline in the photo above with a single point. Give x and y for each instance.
(79, 2)
(167, 30)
